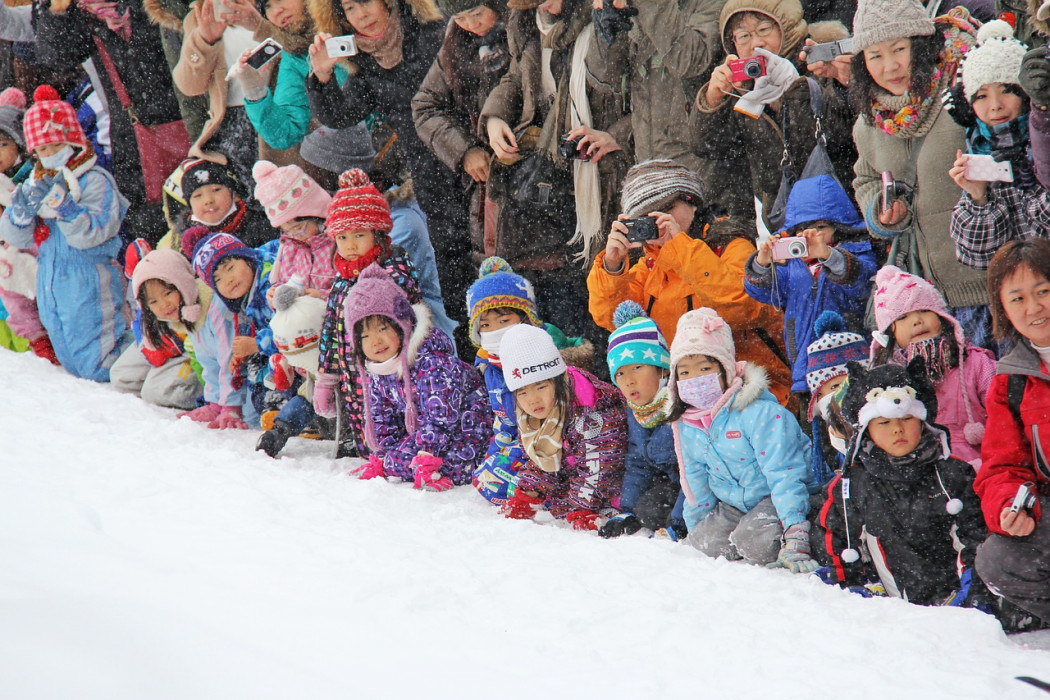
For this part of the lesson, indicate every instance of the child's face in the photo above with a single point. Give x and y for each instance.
(830, 387)
(818, 235)
(301, 229)
(915, 326)
(211, 203)
(379, 339)
(537, 399)
(163, 301)
(995, 104)
(351, 245)
(497, 319)
(48, 149)
(693, 366)
(233, 278)
(897, 436)
(8, 152)
(639, 383)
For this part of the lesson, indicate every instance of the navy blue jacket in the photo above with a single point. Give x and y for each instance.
(650, 456)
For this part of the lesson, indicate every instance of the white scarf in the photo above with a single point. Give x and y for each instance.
(584, 173)
(547, 82)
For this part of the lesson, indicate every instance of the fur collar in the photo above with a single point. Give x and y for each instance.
(424, 324)
(755, 382)
(167, 13)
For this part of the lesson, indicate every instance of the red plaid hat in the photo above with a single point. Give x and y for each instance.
(357, 205)
(50, 120)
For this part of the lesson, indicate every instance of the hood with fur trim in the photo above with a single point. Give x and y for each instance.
(167, 13)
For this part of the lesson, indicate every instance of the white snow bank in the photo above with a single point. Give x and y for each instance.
(144, 557)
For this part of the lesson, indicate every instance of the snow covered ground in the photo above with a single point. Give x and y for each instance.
(144, 557)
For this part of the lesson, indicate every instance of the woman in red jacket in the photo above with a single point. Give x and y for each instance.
(1015, 559)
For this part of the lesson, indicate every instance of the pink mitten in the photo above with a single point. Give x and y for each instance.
(205, 414)
(427, 469)
(371, 470)
(229, 418)
(324, 395)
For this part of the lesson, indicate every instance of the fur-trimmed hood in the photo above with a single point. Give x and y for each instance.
(167, 13)
(750, 388)
(424, 324)
(328, 14)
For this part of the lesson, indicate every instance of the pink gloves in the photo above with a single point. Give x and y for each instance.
(427, 469)
(229, 418)
(373, 469)
(205, 414)
(324, 395)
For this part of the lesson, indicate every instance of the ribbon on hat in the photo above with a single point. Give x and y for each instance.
(710, 322)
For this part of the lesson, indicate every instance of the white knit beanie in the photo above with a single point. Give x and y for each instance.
(996, 59)
(703, 332)
(528, 355)
(883, 20)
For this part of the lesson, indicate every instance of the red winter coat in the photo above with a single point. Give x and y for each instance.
(1006, 452)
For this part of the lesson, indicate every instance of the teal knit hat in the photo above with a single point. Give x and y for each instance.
(636, 340)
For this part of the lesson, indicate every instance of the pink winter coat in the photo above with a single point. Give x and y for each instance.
(961, 402)
(310, 259)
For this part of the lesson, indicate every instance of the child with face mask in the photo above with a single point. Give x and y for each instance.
(217, 200)
(745, 461)
(912, 319)
(72, 210)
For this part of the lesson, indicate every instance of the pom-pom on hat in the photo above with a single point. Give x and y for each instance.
(50, 120)
(996, 58)
(498, 287)
(12, 112)
(898, 293)
(829, 353)
(296, 326)
(211, 251)
(654, 185)
(358, 205)
(288, 193)
(171, 267)
(883, 20)
(529, 355)
(636, 341)
(198, 173)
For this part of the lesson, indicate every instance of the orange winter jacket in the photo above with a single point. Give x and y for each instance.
(687, 274)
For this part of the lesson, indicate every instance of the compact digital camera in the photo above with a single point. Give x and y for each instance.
(790, 247)
(341, 46)
(642, 229)
(747, 68)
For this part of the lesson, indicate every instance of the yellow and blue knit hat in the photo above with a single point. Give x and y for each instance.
(636, 341)
(499, 287)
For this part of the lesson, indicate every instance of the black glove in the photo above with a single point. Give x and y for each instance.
(610, 21)
(958, 107)
(622, 524)
(1035, 77)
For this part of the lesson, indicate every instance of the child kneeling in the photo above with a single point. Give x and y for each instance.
(427, 415)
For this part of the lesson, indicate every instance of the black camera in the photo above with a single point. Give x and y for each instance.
(642, 229)
(569, 148)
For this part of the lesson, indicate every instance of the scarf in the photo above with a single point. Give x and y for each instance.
(385, 49)
(350, 269)
(233, 221)
(939, 352)
(75, 165)
(106, 11)
(907, 116)
(545, 23)
(908, 468)
(655, 412)
(1006, 142)
(584, 173)
(542, 439)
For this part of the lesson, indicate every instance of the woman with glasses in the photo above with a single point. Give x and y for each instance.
(758, 91)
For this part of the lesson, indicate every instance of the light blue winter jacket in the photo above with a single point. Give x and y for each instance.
(753, 449)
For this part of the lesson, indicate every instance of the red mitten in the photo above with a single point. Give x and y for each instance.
(583, 520)
(324, 395)
(205, 414)
(521, 506)
(42, 348)
(229, 418)
(282, 373)
(372, 469)
(427, 470)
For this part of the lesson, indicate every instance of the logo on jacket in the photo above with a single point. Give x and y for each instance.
(732, 434)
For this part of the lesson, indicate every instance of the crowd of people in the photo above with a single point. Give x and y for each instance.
(757, 276)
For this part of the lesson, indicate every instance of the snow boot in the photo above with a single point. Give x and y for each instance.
(273, 440)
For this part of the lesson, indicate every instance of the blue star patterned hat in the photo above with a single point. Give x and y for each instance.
(636, 340)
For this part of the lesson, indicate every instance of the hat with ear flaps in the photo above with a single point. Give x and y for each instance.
(172, 267)
(376, 294)
(704, 332)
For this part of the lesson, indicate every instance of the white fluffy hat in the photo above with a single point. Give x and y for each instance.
(996, 59)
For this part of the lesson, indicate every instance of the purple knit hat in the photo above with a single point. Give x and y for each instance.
(169, 266)
(210, 251)
(376, 294)
(898, 293)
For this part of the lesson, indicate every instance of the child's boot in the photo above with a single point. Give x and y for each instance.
(273, 440)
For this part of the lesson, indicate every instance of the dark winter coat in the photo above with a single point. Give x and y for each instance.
(452, 408)
(650, 460)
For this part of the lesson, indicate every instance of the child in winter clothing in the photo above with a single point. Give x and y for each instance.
(825, 374)
(912, 319)
(835, 275)
(298, 207)
(162, 367)
(359, 223)
(427, 415)
(217, 200)
(573, 428)
(235, 340)
(73, 211)
(498, 300)
(296, 327)
(989, 214)
(639, 364)
(745, 461)
(901, 498)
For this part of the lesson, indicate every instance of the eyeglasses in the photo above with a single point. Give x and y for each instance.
(761, 31)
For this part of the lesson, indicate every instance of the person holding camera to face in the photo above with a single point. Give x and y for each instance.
(687, 263)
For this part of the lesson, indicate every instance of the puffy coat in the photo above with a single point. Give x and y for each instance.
(961, 402)
(754, 449)
(594, 445)
(310, 259)
(650, 459)
(688, 274)
(452, 408)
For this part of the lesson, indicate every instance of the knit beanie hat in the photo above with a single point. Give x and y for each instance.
(169, 266)
(198, 173)
(288, 193)
(829, 353)
(529, 355)
(454, 7)
(12, 112)
(898, 293)
(339, 150)
(996, 58)
(50, 120)
(882, 20)
(296, 326)
(210, 251)
(499, 287)
(703, 332)
(636, 341)
(654, 185)
(376, 294)
(357, 205)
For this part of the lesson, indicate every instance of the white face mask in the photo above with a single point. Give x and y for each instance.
(837, 442)
(490, 340)
(57, 160)
(823, 405)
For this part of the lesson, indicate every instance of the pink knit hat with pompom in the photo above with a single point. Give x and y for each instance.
(898, 293)
(288, 193)
(12, 110)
